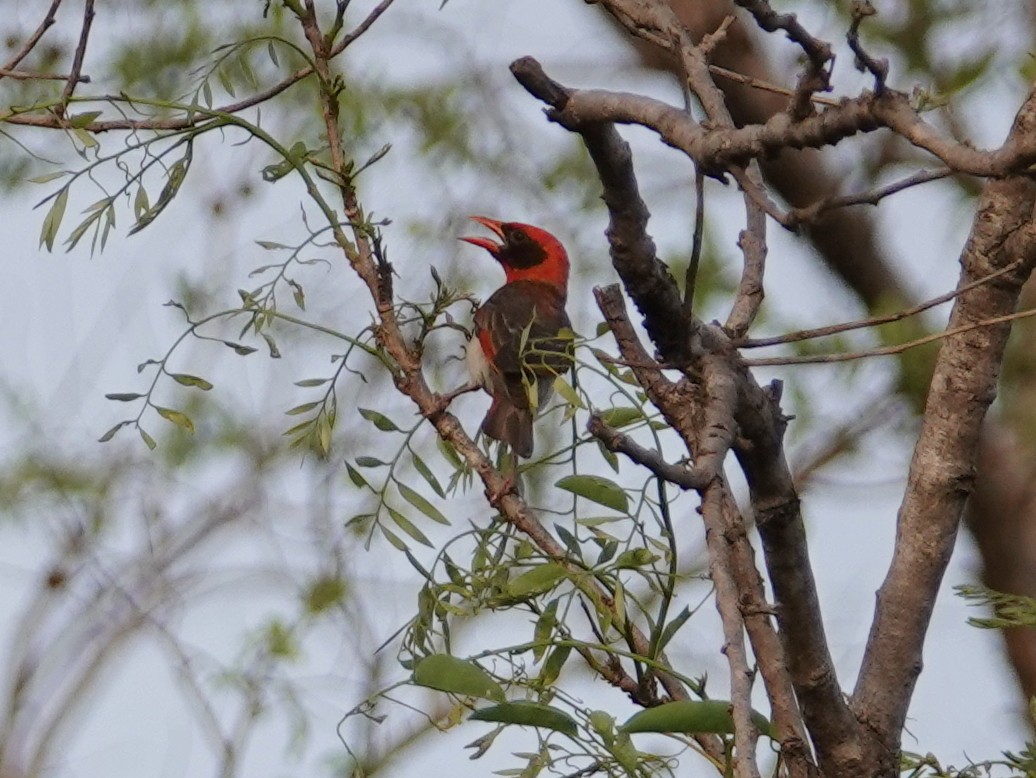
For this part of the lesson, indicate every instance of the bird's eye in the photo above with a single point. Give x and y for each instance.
(513, 236)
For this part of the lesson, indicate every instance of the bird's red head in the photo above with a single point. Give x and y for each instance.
(526, 253)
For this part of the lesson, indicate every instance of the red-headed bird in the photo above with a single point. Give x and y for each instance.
(522, 336)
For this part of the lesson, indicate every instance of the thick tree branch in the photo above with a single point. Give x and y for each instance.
(718, 149)
(942, 470)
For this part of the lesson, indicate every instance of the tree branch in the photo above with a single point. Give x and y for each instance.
(942, 470)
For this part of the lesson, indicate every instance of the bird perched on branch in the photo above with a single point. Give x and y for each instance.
(522, 338)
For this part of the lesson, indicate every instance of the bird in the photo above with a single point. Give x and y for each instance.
(522, 336)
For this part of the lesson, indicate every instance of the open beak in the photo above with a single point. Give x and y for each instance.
(496, 227)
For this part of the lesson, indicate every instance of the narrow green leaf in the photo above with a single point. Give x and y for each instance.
(428, 476)
(380, 421)
(111, 433)
(567, 393)
(271, 50)
(393, 538)
(370, 462)
(298, 294)
(148, 440)
(529, 714)
(355, 477)
(673, 626)
(692, 717)
(598, 489)
(179, 418)
(123, 397)
(608, 456)
(451, 674)
(545, 628)
(538, 580)
(270, 245)
(224, 81)
(620, 417)
(311, 382)
(422, 504)
(48, 177)
(571, 541)
(192, 380)
(141, 204)
(408, 527)
(88, 140)
(52, 221)
(552, 667)
(305, 407)
(85, 119)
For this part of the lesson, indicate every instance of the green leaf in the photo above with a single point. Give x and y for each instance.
(552, 667)
(111, 433)
(422, 504)
(598, 489)
(380, 421)
(672, 627)
(179, 418)
(85, 119)
(370, 462)
(191, 380)
(692, 717)
(428, 476)
(308, 383)
(304, 408)
(635, 558)
(408, 527)
(567, 393)
(148, 440)
(571, 541)
(52, 221)
(529, 714)
(275, 353)
(355, 477)
(545, 628)
(538, 580)
(123, 397)
(620, 417)
(393, 538)
(48, 177)
(88, 140)
(450, 674)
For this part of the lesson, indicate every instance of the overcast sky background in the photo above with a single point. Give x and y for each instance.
(76, 327)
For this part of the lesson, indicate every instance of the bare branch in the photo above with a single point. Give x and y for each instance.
(727, 598)
(816, 77)
(684, 477)
(942, 470)
(879, 68)
(30, 43)
(834, 329)
(77, 59)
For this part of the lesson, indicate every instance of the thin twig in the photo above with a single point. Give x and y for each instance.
(835, 329)
(77, 60)
(32, 75)
(691, 276)
(766, 86)
(811, 213)
(684, 477)
(879, 68)
(886, 351)
(30, 43)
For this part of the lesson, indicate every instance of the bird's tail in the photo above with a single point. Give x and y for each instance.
(510, 424)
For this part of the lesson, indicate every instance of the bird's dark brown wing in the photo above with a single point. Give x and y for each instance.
(518, 328)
